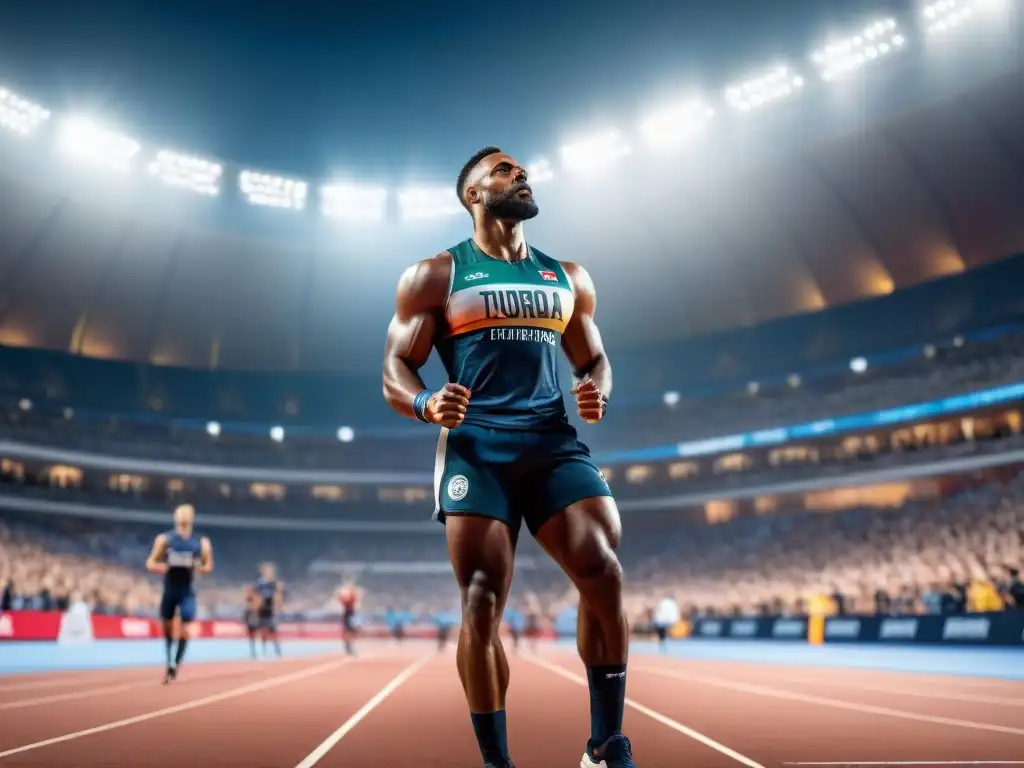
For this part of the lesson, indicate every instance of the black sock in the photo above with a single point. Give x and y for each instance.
(607, 699)
(169, 641)
(492, 736)
(182, 644)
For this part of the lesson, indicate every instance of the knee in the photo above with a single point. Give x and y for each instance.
(481, 598)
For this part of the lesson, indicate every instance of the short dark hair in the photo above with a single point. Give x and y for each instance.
(460, 183)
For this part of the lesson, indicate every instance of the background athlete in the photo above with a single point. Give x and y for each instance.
(250, 616)
(348, 598)
(179, 555)
(497, 311)
(270, 593)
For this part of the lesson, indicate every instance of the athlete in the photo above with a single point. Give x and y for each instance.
(270, 593)
(348, 596)
(531, 621)
(496, 310)
(251, 616)
(179, 555)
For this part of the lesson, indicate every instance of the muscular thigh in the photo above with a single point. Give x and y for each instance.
(482, 553)
(583, 535)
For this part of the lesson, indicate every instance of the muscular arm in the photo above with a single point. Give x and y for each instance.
(155, 562)
(422, 291)
(581, 340)
(206, 556)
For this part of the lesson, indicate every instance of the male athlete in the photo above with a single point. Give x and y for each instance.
(497, 311)
(250, 617)
(270, 593)
(348, 596)
(178, 555)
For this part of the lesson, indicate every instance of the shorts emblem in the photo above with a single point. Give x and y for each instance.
(458, 487)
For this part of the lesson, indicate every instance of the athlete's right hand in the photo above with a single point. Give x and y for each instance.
(448, 405)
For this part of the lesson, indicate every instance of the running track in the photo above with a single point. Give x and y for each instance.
(403, 706)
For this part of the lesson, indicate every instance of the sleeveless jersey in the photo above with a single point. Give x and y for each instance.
(266, 590)
(505, 323)
(184, 555)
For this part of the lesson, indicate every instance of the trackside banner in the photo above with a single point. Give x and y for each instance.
(37, 625)
(1005, 628)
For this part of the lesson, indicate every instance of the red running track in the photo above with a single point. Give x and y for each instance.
(403, 706)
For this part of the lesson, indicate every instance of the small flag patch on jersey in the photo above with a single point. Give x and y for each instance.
(547, 274)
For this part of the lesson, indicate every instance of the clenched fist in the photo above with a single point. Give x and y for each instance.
(448, 405)
(590, 402)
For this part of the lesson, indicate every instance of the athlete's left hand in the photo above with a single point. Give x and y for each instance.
(590, 401)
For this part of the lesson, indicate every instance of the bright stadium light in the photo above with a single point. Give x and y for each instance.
(540, 170)
(859, 365)
(346, 434)
(277, 434)
(192, 173)
(268, 191)
(944, 15)
(840, 57)
(427, 203)
(85, 140)
(671, 399)
(598, 148)
(353, 202)
(20, 115)
(677, 124)
(213, 429)
(775, 85)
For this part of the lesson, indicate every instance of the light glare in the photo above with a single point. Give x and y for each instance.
(353, 202)
(262, 189)
(86, 140)
(187, 172)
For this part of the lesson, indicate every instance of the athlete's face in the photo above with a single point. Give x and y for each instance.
(268, 572)
(501, 186)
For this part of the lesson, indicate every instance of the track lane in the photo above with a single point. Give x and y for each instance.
(32, 724)
(426, 722)
(272, 728)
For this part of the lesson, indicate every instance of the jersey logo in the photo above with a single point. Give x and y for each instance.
(458, 487)
(548, 275)
(475, 276)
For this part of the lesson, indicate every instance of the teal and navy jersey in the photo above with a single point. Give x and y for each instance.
(504, 331)
(267, 590)
(184, 555)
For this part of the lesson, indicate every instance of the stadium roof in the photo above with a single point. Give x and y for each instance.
(102, 270)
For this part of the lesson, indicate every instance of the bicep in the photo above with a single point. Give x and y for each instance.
(159, 548)
(419, 301)
(581, 339)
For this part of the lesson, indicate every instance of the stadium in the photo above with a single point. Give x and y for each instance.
(809, 268)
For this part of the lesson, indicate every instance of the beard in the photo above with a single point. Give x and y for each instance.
(508, 206)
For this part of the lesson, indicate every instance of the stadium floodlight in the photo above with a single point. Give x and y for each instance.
(428, 202)
(346, 434)
(86, 140)
(859, 364)
(876, 41)
(597, 148)
(213, 429)
(671, 399)
(944, 15)
(777, 84)
(277, 434)
(540, 170)
(25, 404)
(677, 124)
(353, 202)
(269, 191)
(191, 173)
(20, 115)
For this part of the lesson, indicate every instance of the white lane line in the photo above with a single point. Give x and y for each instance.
(927, 763)
(779, 693)
(232, 693)
(974, 698)
(68, 681)
(343, 730)
(707, 741)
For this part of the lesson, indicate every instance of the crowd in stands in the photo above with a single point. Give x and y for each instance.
(957, 369)
(960, 553)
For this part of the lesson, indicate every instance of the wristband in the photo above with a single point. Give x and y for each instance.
(419, 405)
